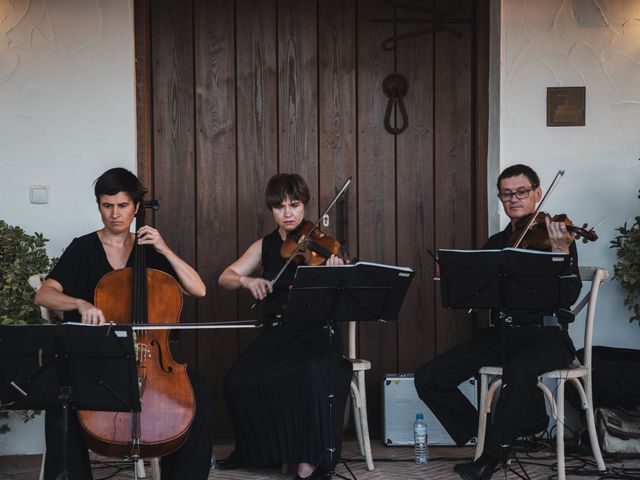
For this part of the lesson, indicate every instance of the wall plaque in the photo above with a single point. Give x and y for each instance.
(565, 106)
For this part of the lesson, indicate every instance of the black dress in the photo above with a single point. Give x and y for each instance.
(531, 349)
(80, 268)
(277, 392)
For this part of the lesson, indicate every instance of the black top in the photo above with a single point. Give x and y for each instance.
(272, 263)
(571, 286)
(84, 262)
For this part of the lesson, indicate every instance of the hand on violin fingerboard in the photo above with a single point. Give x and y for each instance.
(560, 237)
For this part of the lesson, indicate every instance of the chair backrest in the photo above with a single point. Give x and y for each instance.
(35, 282)
(595, 275)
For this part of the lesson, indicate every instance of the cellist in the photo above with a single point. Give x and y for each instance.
(69, 288)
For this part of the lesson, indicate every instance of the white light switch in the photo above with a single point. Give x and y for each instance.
(325, 220)
(39, 194)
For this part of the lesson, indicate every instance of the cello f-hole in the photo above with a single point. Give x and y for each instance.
(168, 368)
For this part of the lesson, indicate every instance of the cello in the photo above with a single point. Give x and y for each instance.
(139, 295)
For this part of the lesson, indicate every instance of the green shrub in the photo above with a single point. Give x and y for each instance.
(627, 268)
(21, 255)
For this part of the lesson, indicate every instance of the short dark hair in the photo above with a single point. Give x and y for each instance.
(520, 169)
(117, 180)
(286, 185)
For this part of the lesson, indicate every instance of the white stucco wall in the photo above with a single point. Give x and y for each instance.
(67, 109)
(67, 113)
(596, 44)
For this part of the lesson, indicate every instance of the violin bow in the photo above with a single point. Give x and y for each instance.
(303, 239)
(556, 179)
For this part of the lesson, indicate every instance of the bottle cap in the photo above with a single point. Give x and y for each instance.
(419, 416)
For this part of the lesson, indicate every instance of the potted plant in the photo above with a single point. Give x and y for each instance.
(627, 268)
(21, 256)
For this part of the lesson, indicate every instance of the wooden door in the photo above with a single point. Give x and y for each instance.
(232, 92)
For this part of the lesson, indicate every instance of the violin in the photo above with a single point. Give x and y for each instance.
(316, 246)
(537, 236)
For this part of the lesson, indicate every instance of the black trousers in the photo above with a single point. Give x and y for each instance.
(530, 351)
(192, 460)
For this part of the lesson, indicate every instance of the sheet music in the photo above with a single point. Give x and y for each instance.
(523, 251)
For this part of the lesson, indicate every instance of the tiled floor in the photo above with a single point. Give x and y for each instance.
(392, 463)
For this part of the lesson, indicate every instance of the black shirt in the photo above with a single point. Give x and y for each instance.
(84, 263)
(272, 263)
(571, 285)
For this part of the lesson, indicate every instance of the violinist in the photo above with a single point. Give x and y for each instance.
(278, 389)
(69, 288)
(536, 342)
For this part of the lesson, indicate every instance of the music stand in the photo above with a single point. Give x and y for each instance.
(509, 279)
(359, 292)
(68, 366)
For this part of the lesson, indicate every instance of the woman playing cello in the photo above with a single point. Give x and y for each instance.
(70, 288)
(277, 391)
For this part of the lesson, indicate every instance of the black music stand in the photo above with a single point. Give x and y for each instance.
(509, 279)
(360, 292)
(68, 366)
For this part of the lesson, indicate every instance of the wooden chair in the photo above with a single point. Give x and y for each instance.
(579, 375)
(35, 281)
(359, 398)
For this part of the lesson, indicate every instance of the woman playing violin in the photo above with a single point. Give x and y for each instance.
(536, 342)
(70, 288)
(277, 391)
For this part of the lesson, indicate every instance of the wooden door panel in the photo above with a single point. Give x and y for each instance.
(376, 186)
(337, 120)
(298, 94)
(415, 199)
(217, 225)
(174, 173)
(257, 99)
(454, 173)
(236, 91)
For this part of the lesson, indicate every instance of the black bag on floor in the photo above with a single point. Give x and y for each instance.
(616, 378)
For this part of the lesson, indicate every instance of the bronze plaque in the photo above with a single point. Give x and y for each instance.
(565, 106)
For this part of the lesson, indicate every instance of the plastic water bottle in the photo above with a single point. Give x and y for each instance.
(420, 440)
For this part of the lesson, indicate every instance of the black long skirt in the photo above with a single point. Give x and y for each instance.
(278, 396)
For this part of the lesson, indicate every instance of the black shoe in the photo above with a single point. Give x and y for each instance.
(481, 469)
(229, 463)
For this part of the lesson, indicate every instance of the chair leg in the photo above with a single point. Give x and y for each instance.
(560, 429)
(44, 456)
(356, 402)
(155, 468)
(482, 415)
(357, 425)
(140, 471)
(364, 423)
(593, 438)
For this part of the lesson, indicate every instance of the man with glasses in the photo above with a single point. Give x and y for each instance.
(536, 343)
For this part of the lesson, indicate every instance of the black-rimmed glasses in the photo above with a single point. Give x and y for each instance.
(520, 194)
